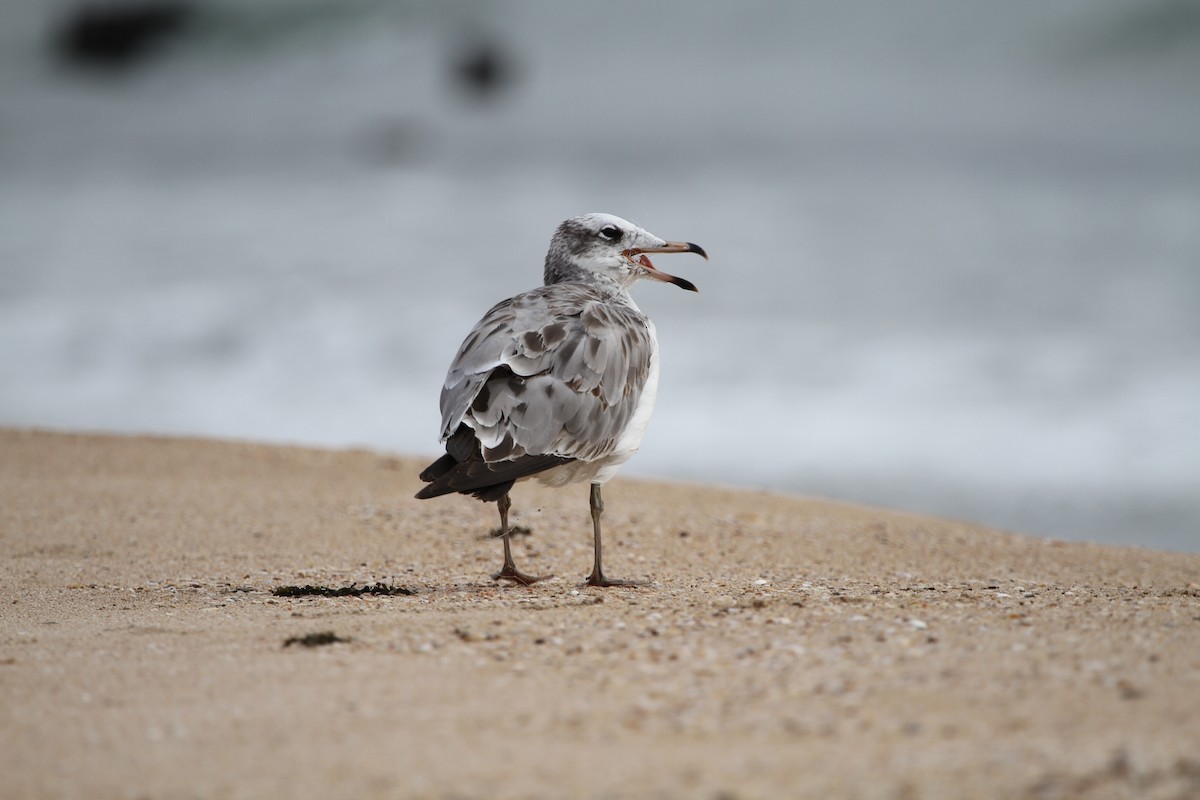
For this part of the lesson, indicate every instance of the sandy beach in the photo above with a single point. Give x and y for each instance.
(786, 647)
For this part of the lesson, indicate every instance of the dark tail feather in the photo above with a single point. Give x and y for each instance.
(462, 469)
(461, 447)
(438, 468)
(485, 493)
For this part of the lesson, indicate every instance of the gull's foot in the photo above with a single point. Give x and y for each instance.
(511, 573)
(600, 580)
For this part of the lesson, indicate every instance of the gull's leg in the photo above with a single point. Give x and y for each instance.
(597, 577)
(509, 571)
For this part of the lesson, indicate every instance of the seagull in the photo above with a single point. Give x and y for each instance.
(557, 383)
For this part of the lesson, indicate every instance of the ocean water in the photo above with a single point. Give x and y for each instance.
(955, 247)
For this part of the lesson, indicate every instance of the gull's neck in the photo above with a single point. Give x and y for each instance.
(560, 269)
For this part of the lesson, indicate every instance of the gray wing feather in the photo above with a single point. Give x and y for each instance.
(557, 370)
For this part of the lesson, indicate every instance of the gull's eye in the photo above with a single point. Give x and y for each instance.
(611, 233)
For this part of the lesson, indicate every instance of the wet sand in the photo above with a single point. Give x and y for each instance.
(786, 647)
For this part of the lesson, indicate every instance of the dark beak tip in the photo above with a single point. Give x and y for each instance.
(697, 249)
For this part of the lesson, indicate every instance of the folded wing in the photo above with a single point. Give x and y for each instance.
(549, 376)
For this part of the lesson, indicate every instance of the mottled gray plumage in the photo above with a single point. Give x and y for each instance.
(557, 382)
(558, 370)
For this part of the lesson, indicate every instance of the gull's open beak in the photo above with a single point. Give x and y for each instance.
(637, 255)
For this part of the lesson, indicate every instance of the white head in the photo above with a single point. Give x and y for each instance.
(611, 247)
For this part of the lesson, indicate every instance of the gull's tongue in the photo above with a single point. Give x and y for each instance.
(645, 261)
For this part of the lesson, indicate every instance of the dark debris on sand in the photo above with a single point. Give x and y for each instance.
(344, 591)
(314, 639)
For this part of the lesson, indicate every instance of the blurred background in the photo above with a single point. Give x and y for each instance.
(955, 245)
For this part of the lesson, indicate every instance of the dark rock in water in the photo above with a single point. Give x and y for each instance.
(117, 35)
(483, 69)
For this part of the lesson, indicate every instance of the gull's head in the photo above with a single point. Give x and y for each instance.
(611, 247)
